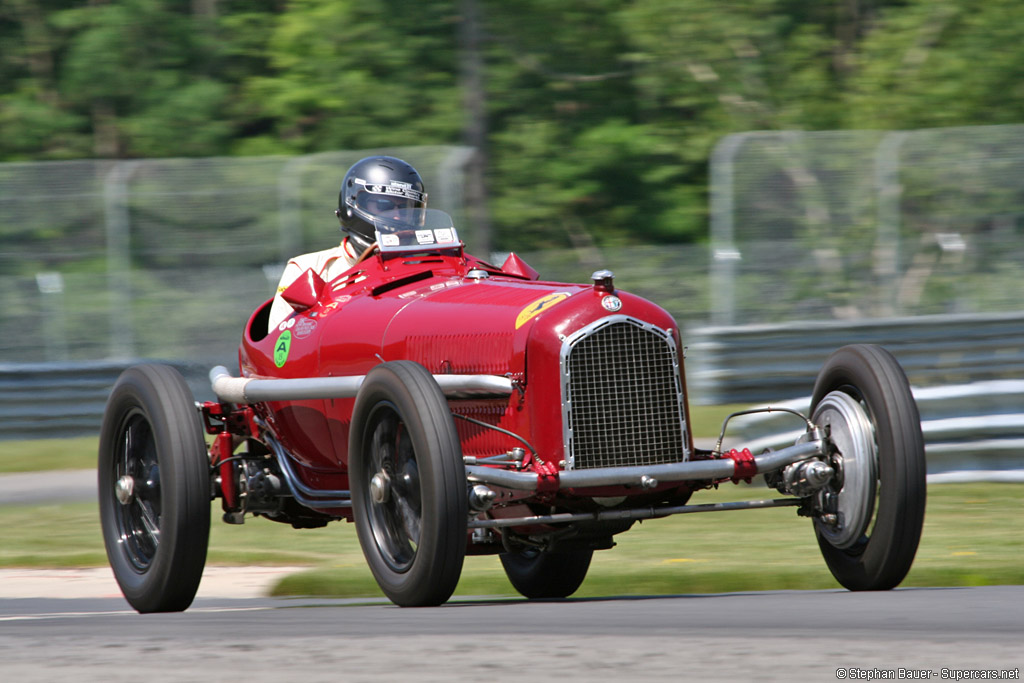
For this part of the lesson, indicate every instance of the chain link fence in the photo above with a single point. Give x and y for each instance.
(106, 262)
(117, 260)
(166, 258)
(845, 225)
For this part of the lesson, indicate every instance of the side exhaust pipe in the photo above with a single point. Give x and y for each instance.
(249, 390)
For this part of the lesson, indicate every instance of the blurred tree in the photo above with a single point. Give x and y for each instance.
(137, 67)
(348, 74)
(33, 116)
(575, 159)
(598, 116)
(940, 63)
(606, 111)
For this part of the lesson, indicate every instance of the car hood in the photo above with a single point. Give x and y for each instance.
(472, 326)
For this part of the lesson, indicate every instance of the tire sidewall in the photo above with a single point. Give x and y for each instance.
(547, 575)
(412, 393)
(169, 582)
(873, 376)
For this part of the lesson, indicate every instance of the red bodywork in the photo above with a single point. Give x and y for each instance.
(453, 314)
(447, 406)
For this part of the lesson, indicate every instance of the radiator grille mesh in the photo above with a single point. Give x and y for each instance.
(624, 398)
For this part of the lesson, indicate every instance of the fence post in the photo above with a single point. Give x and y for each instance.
(724, 253)
(887, 245)
(119, 264)
(55, 331)
(289, 192)
(450, 174)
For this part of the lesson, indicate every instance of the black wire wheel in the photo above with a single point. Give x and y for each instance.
(154, 489)
(408, 481)
(539, 575)
(872, 512)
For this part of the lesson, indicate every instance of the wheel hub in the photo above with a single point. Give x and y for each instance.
(380, 487)
(853, 437)
(124, 489)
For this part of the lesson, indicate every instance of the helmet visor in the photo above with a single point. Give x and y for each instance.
(383, 205)
(385, 199)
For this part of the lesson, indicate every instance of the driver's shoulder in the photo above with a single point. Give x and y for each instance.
(316, 259)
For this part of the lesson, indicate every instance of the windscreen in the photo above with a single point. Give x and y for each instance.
(416, 230)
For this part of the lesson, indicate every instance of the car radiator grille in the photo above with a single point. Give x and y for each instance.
(623, 398)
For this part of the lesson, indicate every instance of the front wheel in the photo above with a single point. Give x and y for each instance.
(154, 489)
(872, 513)
(408, 484)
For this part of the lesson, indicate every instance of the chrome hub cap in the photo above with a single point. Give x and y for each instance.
(380, 487)
(853, 436)
(124, 489)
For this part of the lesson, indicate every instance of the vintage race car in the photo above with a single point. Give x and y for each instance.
(448, 406)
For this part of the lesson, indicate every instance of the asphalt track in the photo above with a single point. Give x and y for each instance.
(774, 636)
(906, 634)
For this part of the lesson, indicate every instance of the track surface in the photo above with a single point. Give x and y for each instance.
(783, 636)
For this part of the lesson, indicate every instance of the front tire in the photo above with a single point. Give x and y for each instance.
(154, 489)
(408, 485)
(863, 398)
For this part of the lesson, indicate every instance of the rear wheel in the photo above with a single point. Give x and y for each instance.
(538, 575)
(874, 509)
(408, 484)
(154, 489)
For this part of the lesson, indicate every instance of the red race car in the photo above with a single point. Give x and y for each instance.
(448, 406)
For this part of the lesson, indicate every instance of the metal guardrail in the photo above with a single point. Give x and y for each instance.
(760, 363)
(967, 374)
(976, 427)
(57, 400)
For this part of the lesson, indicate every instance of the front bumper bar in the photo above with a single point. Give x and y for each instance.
(643, 476)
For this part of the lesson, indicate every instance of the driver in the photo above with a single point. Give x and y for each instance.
(374, 186)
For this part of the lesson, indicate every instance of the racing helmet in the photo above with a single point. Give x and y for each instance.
(377, 186)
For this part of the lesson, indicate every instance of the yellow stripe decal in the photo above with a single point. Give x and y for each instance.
(537, 307)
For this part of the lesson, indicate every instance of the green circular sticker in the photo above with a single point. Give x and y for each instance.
(281, 349)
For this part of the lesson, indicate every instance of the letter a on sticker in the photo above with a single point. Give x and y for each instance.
(281, 349)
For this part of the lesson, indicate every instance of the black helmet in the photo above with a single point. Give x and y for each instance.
(377, 186)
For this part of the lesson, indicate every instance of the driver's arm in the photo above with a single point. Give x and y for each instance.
(281, 309)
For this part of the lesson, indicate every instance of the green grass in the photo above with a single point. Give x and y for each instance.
(706, 421)
(39, 455)
(971, 537)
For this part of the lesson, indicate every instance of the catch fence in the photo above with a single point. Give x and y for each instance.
(846, 225)
(166, 258)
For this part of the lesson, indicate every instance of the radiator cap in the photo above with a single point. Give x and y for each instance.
(603, 280)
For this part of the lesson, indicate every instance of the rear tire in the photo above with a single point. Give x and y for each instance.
(538, 575)
(863, 392)
(154, 489)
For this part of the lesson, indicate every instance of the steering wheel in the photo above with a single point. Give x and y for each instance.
(366, 254)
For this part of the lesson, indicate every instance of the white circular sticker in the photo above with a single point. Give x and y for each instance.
(304, 327)
(611, 303)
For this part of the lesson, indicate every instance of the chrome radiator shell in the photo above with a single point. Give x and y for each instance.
(622, 396)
